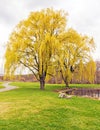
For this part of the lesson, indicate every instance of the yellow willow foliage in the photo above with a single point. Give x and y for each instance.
(42, 44)
(86, 72)
(75, 51)
(34, 42)
(90, 71)
(81, 70)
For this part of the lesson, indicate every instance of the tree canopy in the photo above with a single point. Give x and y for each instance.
(42, 42)
(75, 49)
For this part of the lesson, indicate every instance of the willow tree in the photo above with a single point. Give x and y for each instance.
(75, 49)
(33, 43)
(85, 72)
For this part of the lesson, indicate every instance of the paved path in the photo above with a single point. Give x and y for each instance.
(7, 87)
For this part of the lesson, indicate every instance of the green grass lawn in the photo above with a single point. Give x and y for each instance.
(1, 86)
(28, 108)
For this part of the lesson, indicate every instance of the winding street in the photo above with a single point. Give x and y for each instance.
(7, 87)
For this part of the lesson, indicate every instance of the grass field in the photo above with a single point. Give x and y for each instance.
(28, 108)
(1, 86)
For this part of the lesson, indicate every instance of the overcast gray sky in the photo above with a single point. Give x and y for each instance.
(84, 16)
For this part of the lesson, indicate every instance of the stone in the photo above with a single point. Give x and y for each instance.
(63, 95)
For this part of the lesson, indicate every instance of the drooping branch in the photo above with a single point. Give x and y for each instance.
(29, 69)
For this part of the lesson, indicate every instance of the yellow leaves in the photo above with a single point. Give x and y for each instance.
(41, 41)
(91, 69)
(75, 51)
(86, 71)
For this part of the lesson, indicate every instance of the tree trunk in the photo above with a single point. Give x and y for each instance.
(42, 83)
(67, 84)
(64, 79)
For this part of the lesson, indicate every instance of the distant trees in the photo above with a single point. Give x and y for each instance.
(98, 72)
(42, 44)
(85, 73)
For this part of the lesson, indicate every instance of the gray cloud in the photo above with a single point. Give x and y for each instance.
(11, 11)
(33, 4)
(6, 15)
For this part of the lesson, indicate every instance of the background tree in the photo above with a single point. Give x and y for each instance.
(76, 49)
(98, 71)
(33, 43)
(85, 72)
